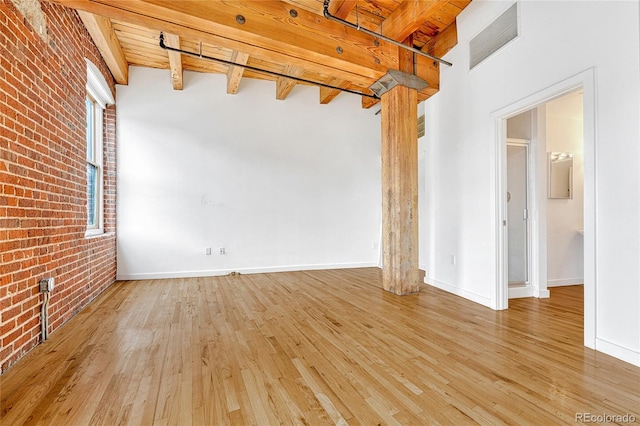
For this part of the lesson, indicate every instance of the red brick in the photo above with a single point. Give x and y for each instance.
(11, 313)
(10, 338)
(42, 172)
(30, 303)
(22, 340)
(5, 303)
(21, 276)
(7, 327)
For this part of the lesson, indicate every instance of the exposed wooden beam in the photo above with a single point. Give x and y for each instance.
(425, 94)
(327, 95)
(408, 17)
(443, 42)
(369, 102)
(429, 71)
(341, 8)
(268, 25)
(406, 61)
(284, 85)
(138, 13)
(234, 74)
(175, 60)
(107, 43)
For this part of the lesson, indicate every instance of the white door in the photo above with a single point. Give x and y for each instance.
(517, 214)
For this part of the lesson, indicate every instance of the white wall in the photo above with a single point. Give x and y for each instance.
(565, 265)
(557, 42)
(280, 185)
(422, 200)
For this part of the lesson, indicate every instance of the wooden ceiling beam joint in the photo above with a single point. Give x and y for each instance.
(284, 85)
(272, 36)
(358, 78)
(327, 94)
(341, 8)
(267, 25)
(443, 42)
(105, 39)
(408, 17)
(175, 60)
(369, 102)
(234, 74)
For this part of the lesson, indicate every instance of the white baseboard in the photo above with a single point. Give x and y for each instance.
(259, 270)
(474, 297)
(520, 292)
(541, 294)
(565, 281)
(625, 354)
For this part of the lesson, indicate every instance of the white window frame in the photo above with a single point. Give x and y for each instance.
(95, 225)
(99, 94)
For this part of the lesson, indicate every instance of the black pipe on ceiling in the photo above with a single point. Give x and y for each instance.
(357, 27)
(225, 62)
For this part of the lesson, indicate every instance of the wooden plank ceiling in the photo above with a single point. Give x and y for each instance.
(290, 37)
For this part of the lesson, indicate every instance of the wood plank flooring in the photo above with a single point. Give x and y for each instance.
(314, 348)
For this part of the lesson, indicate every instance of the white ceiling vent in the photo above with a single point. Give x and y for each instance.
(497, 34)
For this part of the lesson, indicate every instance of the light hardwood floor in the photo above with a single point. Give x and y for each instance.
(321, 347)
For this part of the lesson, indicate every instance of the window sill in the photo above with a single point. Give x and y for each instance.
(89, 233)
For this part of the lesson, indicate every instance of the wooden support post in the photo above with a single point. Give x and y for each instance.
(400, 273)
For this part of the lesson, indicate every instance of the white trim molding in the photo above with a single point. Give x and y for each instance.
(617, 351)
(565, 282)
(259, 270)
(474, 297)
(97, 86)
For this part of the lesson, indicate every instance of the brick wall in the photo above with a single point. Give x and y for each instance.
(43, 207)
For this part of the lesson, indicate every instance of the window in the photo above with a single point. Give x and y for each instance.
(94, 164)
(98, 97)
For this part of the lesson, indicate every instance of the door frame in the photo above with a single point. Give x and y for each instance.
(499, 298)
(531, 201)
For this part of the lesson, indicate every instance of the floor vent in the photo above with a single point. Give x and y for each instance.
(497, 34)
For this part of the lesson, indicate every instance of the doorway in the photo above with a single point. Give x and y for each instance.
(557, 125)
(537, 210)
(565, 189)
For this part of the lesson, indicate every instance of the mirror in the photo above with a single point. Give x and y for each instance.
(560, 169)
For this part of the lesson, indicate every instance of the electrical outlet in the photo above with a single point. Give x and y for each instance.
(207, 251)
(46, 284)
(222, 251)
(453, 259)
